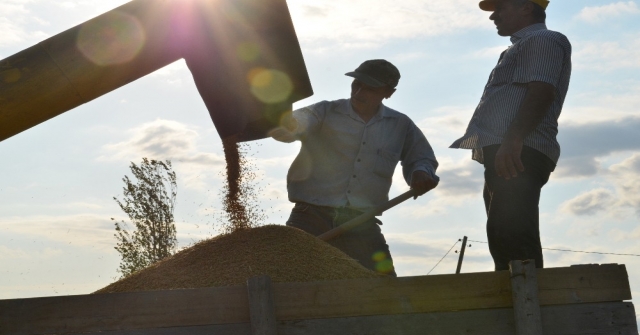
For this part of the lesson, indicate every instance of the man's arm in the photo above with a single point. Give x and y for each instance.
(536, 104)
(419, 162)
(294, 125)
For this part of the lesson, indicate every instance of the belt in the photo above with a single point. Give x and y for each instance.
(338, 210)
(342, 210)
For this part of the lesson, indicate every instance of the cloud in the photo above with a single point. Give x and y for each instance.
(161, 139)
(417, 254)
(608, 56)
(349, 24)
(459, 180)
(12, 254)
(597, 14)
(10, 33)
(590, 203)
(583, 144)
(624, 178)
(621, 235)
(447, 124)
(15, 16)
(21, 254)
(78, 229)
(172, 140)
(173, 73)
(311, 11)
(490, 52)
(415, 248)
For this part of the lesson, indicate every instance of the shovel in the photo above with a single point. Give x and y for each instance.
(364, 217)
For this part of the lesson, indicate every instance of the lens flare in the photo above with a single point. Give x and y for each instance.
(379, 256)
(383, 264)
(248, 51)
(270, 86)
(113, 38)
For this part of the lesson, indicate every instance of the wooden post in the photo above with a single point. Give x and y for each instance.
(461, 257)
(261, 307)
(524, 294)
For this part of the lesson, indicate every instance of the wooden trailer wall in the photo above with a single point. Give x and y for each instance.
(584, 299)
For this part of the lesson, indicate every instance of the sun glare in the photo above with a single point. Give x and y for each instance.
(112, 38)
(269, 85)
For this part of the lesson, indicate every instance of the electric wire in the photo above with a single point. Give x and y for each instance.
(554, 249)
(580, 251)
(445, 255)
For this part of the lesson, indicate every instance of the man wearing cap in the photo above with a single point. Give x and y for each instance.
(349, 151)
(513, 130)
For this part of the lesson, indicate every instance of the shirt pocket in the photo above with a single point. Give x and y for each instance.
(386, 162)
(504, 70)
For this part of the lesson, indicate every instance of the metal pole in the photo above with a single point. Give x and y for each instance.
(464, 245)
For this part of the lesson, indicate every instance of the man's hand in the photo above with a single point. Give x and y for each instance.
(287, 130)
(507, 161)
(282, 134)
(536, 103)
(422, 183)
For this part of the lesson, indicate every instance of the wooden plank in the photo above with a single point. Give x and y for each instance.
(226, 329)
(391, 295)
(601, 318)
(120, 311)
(294, 301)
(583, 283)
(524, 294)
(576, 319)
(261, 308)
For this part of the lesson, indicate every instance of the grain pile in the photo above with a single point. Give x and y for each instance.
(283, 253)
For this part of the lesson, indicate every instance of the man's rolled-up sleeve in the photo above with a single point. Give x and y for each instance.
(417, 154)
(309, 117)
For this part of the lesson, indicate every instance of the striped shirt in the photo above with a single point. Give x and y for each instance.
(536, 54)
(346, 162)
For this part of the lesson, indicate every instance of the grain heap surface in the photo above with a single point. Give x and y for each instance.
(285, 254)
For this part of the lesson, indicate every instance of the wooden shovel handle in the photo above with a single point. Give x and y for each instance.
(364, 217)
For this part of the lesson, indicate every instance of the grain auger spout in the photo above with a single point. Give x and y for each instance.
(243, 54)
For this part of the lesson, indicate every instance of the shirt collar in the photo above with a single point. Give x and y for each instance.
(381, 113)
(526, 31)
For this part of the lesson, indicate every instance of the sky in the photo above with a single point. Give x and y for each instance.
(58, 179)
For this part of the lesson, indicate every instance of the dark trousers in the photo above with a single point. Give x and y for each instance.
(513, 227)
(365, 243)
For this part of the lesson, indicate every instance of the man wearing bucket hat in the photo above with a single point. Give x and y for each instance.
(349, 151)
(513, 130)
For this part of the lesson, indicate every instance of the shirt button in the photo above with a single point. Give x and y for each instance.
(363, 143)
(358, 159)
(348, 191)
(354, 176)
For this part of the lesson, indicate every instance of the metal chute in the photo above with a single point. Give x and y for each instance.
(243, 54)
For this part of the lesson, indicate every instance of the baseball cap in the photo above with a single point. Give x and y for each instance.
(490, 5)
(376, 73)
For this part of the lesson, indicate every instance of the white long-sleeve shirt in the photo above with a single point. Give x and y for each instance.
(345, 162)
